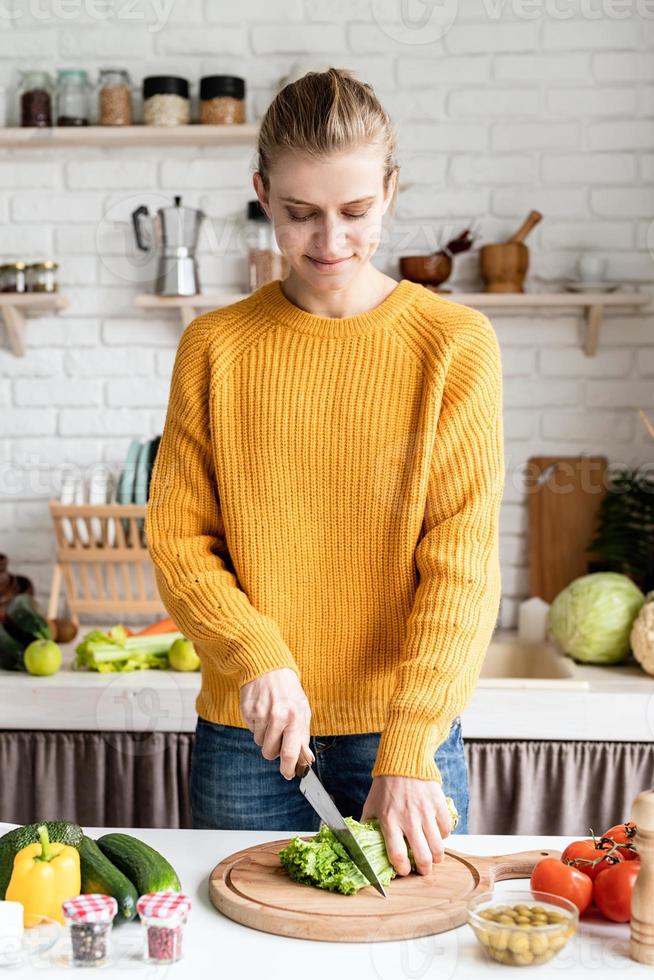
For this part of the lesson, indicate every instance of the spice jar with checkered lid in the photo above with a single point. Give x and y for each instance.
(163, 915)
(89, 919)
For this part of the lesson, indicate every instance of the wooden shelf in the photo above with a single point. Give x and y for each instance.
(197, 134)
(188, 305)
(15, 306)
(593, 304)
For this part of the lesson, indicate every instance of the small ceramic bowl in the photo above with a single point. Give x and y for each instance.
(522, 927)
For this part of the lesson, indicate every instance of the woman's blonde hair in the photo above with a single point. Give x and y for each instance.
(326, 112)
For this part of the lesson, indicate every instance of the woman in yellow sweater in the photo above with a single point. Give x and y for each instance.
(323, 511)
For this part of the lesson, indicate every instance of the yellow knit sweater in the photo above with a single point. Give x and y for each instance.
(326, 497)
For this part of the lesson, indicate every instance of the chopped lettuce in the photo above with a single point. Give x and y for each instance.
(117, 651)
(325, 863)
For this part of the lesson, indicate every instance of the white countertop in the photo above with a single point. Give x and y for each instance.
(215, 946)
(596, 704)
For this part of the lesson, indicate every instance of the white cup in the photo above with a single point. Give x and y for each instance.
(591, 268)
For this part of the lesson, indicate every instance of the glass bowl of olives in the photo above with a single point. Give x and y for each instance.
(522, 927)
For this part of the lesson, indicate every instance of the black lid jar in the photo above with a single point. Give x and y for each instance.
(166, 101)
(222, 100)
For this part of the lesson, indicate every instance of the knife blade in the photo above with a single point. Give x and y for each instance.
(316, 794)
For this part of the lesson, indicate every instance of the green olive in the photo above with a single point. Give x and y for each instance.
(518, 942)
(538, 942)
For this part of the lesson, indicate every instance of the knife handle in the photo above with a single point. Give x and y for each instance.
(303, 765)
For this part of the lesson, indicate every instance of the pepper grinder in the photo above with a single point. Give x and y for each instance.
(642, 899)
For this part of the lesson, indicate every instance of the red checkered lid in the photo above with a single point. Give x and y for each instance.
(90, 908)
(163, 905)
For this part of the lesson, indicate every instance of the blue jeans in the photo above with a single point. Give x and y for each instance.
(234, 788)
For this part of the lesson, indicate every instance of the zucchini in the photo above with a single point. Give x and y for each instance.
(146, 868)
(99, 874)
(59, 832)
(24, 619)
(11, 651)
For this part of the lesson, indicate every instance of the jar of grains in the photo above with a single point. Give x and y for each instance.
(114, 97)
(222, 99)
(73, 91)
(166, 101)
(35, 91)
(265, 260)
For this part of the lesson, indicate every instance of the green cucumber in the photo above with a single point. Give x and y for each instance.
(59, 832)
(146, 868)
(99, 874)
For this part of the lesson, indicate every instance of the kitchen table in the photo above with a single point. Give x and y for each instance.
(215, 946)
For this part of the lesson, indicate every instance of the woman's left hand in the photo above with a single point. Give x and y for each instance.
(411, 808)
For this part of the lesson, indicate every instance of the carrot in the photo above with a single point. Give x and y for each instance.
(163, 626)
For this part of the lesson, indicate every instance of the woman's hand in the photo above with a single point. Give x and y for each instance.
(411, 808)
(275, 707)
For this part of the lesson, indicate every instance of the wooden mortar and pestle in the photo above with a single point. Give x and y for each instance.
(503, 265)
(432, 270)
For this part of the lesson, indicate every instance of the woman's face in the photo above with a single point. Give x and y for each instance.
(327, 214)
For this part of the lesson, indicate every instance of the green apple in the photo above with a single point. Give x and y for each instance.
(182, 655)
(42, 657)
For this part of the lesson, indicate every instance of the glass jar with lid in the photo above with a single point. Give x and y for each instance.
(12, 277)
(73, 97)
(41, 277)
(89, 918)
(166, 101)
(222, 100)
(114, 97)
(35, 95)
(265, 260)
(163, 917)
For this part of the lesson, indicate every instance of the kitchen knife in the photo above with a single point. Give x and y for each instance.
(314, 791)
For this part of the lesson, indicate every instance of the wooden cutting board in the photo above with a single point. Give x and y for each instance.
(564, 494)
(252, 888)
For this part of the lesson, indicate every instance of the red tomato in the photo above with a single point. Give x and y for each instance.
(590, 856)
(612, 890)
(551, 875)
(623, 834)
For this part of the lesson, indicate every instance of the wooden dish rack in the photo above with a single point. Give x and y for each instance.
(102, 561)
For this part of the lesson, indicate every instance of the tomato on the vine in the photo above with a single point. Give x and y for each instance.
(551, 875)
(591, 856)
(623, 834)
(612, 890)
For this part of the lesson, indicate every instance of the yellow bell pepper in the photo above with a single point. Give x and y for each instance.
(44, 875)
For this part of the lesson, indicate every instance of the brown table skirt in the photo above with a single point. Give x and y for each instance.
(124, 779)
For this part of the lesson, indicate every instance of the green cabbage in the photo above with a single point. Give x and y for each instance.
(591, 618)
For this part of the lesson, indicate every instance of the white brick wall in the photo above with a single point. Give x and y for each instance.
(500, 108)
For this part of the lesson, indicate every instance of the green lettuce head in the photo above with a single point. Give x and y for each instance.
(591, 618)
